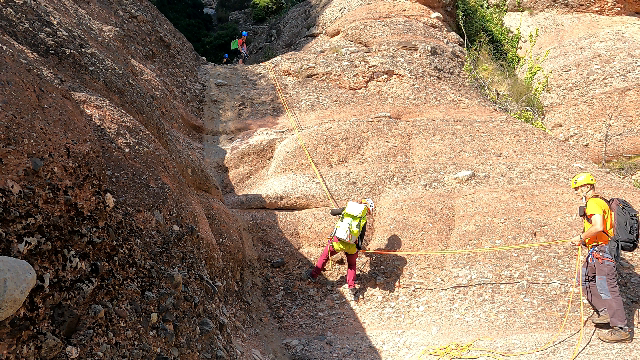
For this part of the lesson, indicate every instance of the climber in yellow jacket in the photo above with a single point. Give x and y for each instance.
(347, 236)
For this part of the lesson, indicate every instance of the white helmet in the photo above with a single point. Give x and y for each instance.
(369, 204)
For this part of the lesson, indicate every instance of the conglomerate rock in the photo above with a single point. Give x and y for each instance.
(601, 7)
(153, 193)
(593, 92)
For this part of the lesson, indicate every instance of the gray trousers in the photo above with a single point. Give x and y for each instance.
(600, 285)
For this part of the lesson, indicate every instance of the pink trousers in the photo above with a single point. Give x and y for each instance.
(324, 258)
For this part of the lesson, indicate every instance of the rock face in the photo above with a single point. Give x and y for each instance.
(382, 104)
(601, 7)
(171, 211)
(594, 92)
(17, 278)
(310, 19)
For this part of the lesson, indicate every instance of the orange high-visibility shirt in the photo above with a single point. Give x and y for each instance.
(598, 206)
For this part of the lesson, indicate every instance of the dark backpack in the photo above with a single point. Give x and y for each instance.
(625, 227)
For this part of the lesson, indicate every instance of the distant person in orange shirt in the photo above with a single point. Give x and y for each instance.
(242, 46)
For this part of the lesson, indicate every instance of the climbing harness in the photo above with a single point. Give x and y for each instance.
(593, 255)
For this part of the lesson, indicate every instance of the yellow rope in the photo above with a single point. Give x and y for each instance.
(295, 127)
(466, 251)
(460, 351)
(579, 275)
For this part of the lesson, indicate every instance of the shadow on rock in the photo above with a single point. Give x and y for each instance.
(385, 270)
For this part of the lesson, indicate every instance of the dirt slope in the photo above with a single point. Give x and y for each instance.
(386, 112)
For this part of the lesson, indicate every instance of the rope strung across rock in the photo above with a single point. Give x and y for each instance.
(466, 251)
(295, 127)
(468, 351)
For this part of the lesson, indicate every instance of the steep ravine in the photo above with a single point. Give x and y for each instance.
(169, 211)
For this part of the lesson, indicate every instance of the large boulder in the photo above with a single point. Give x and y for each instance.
(446, 7)
(17, 278)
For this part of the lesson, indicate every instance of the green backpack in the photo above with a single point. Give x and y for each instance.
(234, 44)
(351, 222)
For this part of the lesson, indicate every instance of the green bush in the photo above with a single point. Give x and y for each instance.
(482, 26)
(208, 40)
(212, 39)
(513, 82)
(263, 9)
(224, 8)
(188, 17)
(219, 43)
(268, 54)
(625, 166)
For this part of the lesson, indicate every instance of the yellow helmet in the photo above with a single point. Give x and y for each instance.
(582, 179)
